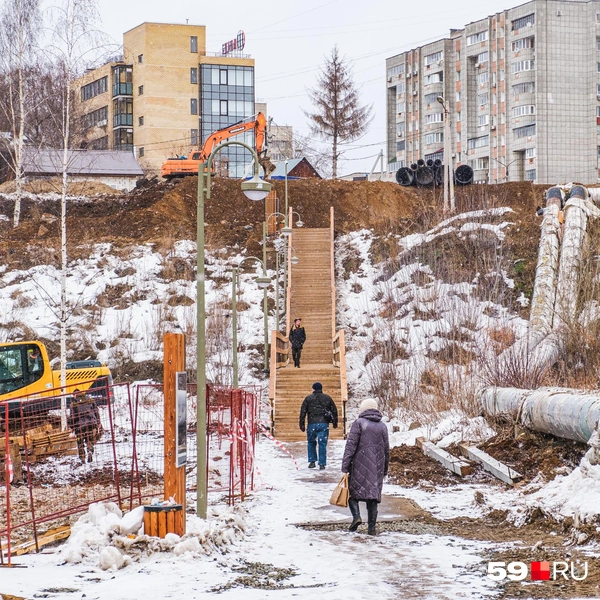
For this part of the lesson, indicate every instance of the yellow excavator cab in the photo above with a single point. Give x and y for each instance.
(25, 372)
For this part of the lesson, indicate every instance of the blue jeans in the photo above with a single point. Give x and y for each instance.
(317, 432)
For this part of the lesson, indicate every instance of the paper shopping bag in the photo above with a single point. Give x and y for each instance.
(341, 493)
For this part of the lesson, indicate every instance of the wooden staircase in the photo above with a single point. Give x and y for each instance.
(312, 295)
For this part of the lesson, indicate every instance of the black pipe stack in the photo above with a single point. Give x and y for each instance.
(431, 172)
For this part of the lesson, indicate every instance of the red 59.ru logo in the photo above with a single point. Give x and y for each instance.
(540, 571)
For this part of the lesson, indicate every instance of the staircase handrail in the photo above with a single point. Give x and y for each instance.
(332, 260)
(280, 357)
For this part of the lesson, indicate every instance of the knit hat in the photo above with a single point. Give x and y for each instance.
(317, 386)
(366, 405)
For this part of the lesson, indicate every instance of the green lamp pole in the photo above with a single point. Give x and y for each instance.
(254, 189)
(263, 282)
(286, 231)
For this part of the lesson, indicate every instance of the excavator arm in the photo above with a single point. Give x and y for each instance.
(180, 167)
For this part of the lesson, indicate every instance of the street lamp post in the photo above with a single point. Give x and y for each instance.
(286, 231)
(254, 189)
(448, 170)
(263, 282)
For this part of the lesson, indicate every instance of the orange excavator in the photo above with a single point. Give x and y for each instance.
(182, 166)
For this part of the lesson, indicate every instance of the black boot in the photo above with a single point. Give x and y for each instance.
(355, 510)
(372, 512)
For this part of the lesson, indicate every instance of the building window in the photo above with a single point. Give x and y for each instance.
(483, 120)
(99, 143)
(434, 78)
(434, 138)
(433, 58)
(141, 152)
(194, 141)
(483, 57)
(522, 65)
(122, 112)
(400, 128)
(400, 107)
(483, 99)
(483, 78)
(530, 175)
(194, 106)
(434, 118)
(96, 118)
(140, 120)
(597, 43)
(140, 90)
(598, 91)
(401, 146)
(194, 43)
(525, 109)
(223, 77)
(528, 87)
(223, 107)
(123, 139)
(527, 21)
(397, 70)
(480, 164)
(400, 88)
(597, 111)
(122, 81)
(100, 86)
(478, 142)
(529, 152)
(526, 131)
(457, 78)
(528, 42)
(194, 75)
(482, 36)
(140, 58)
(430, 98)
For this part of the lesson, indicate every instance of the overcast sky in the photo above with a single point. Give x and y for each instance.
(289, 41)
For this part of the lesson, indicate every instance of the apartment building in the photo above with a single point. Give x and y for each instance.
(522, 89)
(166, 95)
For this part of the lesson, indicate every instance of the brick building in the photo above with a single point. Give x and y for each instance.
(522, 88)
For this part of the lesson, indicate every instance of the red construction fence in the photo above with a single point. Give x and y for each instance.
(48, 482)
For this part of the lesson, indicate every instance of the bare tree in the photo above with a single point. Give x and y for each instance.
(338, 116)
(19, 26)
(75, 44)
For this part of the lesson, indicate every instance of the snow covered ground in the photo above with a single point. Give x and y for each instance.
(330, 564)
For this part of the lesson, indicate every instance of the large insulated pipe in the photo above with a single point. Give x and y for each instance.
(574, 238)
(565, 413)
(546, 272)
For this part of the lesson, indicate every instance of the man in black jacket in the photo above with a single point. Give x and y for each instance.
(297, 338)
(320, 410)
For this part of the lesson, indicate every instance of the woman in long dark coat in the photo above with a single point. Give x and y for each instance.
(366, 459)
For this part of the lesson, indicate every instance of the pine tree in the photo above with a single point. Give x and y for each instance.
(338, 116)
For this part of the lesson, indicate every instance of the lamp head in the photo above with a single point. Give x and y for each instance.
(263, 281)
(440, 99)
(294, 260)
(286, 231)
(255, 188)
(299, 223)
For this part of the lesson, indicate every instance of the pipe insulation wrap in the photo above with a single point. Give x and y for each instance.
(546, 272)
(564, 413)
(574, 238)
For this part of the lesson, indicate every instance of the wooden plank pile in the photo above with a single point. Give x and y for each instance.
(472, 454)
(41, 442)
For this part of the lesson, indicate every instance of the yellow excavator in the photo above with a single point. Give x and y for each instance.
(25, 372)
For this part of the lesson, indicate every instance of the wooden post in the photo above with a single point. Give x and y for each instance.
(174, 362)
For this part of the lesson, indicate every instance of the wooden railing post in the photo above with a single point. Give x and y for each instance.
(332, 258)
